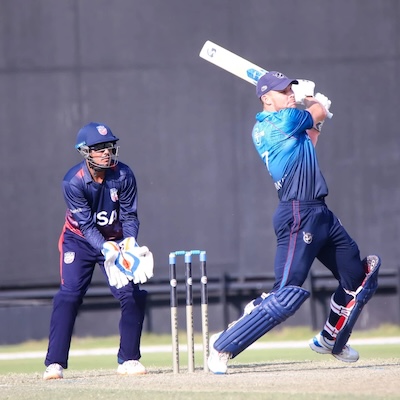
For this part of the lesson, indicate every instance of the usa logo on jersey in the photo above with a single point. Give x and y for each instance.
(114, 194)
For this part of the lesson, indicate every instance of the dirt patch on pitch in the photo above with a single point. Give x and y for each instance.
(370, 379)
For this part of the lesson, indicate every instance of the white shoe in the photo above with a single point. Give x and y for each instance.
(131, 367)
(53, 371)
(323, 345)
(217, 362)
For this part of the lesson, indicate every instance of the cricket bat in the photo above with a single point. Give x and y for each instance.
(233, 63)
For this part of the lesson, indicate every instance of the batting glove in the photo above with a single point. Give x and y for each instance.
(324, 101)
(302, 90)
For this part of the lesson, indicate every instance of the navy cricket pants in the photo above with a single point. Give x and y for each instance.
(77, 262)
(307, 230)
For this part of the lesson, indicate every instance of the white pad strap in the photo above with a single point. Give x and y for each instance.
(343, 313)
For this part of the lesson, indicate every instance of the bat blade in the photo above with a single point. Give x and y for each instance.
(231, 62)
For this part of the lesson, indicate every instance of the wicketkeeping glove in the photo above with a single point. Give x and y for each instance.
(144, 269)
(127, 262)
(302, 90)
(137, 262)
(116, 277)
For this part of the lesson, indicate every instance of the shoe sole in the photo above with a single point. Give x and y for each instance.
(318, 348)
(212, 341)
(322, 350)
(48, 378)
(132, 374)
(217, 372)
(344, 359)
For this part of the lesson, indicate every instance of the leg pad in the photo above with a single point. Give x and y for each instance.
(273, 310)
(362, 296)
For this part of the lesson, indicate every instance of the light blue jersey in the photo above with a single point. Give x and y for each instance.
(286, 149)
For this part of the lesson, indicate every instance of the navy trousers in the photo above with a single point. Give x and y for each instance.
(308, 230)
(77, 262)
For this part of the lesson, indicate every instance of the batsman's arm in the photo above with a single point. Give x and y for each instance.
(313, 134)
(318, 114)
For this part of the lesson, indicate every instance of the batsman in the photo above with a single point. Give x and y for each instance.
(285, 138)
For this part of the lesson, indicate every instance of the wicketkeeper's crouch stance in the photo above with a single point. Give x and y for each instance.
(101, 227)
(285, 138)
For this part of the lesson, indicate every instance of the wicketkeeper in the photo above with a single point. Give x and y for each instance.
(285, 138)
(101, 227)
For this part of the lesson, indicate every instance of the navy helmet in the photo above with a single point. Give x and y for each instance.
(91, 137)
(94, 133)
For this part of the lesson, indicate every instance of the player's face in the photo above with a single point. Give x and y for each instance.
(282, 99)
(101, 154)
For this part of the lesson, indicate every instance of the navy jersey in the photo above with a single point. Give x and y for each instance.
(101, 211)
(286, 149)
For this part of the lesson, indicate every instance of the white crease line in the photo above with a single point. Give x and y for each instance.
(183, 348)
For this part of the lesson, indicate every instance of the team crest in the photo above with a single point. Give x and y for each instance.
(114, 194)
(278, 75)
(69, 257)
(102, 130)
(307, 237)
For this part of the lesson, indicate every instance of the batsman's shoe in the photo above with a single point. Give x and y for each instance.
(131, 367)
(217, 361)
(53, 371)
(323, 345)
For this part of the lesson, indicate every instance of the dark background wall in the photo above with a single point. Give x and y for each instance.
(185, 125)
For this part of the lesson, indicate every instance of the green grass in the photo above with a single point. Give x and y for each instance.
(164, 359)
(283, 334)
(267, 374)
